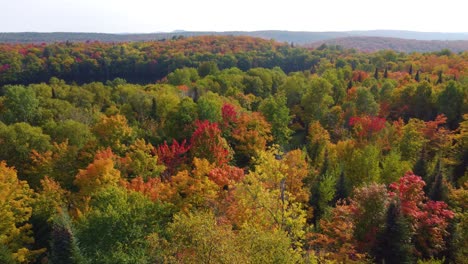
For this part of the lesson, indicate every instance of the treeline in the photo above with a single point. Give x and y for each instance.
(147, 62)
(361, 158)
(142, 62)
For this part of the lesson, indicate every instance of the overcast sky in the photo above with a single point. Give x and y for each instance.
(119, 16)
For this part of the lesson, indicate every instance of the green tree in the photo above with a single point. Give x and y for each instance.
(365, 102)
(21, 104)
(277, 114)
(395, 240)
(317, 99)
(450, 103)
(17, 142)
(118, 226)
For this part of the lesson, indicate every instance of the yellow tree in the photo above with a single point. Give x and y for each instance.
(261, 200)
(101, 173)
(15, 211)
(113, 131)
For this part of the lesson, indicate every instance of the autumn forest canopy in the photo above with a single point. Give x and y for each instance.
(222, 149)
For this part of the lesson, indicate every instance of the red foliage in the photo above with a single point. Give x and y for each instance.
(172, 156)
(366, 126)
(409, 190)
(432, 127)
(229, 114)
(359, 76)
(207, 142)
(150, 188)
(226, 175)
(429, 219)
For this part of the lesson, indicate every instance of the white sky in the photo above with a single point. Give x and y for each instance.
(118, 16)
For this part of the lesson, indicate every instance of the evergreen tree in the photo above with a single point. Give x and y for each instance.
(394, 243)
(440, 79)
(410, 71)
(376, 74)
(154, 108)
(341, 191)
(417, 78)
(350, 84)
(385, 73)
(420, 167)
(439, 189)
(63, 246)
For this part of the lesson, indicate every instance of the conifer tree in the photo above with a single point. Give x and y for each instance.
(417, 78)
(394, 243)
(63, 246)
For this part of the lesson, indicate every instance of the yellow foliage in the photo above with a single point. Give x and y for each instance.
(15, 211)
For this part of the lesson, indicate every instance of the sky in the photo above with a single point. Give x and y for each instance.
(146, 16)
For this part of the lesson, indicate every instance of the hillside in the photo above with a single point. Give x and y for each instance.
(371, 44)
(297, 37)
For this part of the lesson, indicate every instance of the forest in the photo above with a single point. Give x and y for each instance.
(222, 149)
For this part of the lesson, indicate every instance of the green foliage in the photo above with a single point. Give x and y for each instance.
(277, 113)
(18, 140)
(394, 246)
(64, 247)
(365, 103)
(22, 104)
(450, 102)
(317, 99)
(116, 228)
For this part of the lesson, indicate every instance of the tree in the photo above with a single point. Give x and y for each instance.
(172, 156)
(100, 174)
(15, 208)
(119, 225)
(277, 114)
(369, 204)
(450, 103)
(423, 102)
(21, 104)
(250, 135)
(113, 132)
(140, 161)
(428, 219)
(64, 245)
(207, 142)
(395, 240)
(317, 99)
(207, 68)
(365, 102)
(196, 237)
(335, 240)
(18, 141)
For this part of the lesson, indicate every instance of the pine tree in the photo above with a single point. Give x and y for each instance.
(440, 79)
(420, 167)
(417, 78)
(341, 192)
(154, 108)
(376, 74)
(63, 246)
(394, 243)
(410, 71)
(385, 73)
(439, 189)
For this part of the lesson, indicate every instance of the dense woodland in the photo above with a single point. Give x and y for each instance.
(231, 150)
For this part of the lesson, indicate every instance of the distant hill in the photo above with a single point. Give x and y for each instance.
(281, 36)
(373, 40)
(404, 45)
